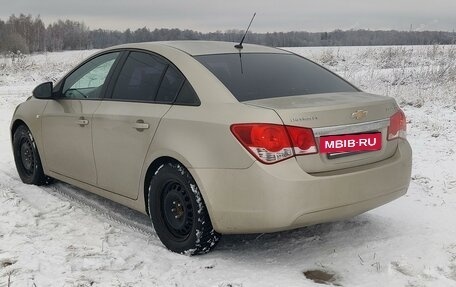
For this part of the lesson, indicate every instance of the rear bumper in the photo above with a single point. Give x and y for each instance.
(267, 198)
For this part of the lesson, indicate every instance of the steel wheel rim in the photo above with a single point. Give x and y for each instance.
(177, 210)
(27, 156)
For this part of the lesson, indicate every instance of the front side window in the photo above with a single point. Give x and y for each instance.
(88, 80)
(139, 78)
(260, 76)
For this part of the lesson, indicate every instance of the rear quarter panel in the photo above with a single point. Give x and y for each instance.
(200, 137)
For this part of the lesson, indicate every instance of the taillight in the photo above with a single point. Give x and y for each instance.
(302, 139)
(271, 143)
(398, 126)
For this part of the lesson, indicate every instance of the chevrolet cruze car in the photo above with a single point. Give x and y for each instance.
(208, 139)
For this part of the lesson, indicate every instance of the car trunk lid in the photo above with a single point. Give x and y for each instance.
(336, 114)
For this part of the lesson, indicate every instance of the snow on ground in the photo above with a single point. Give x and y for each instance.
(62, 236)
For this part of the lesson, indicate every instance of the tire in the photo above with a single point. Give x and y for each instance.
(178, 212)
(27, 158)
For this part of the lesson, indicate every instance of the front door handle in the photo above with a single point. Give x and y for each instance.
(140, 125)
(82, 122)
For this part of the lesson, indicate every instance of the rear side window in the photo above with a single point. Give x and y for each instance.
(139, 78)
(170, 86)
(262, 76)
(187, 96)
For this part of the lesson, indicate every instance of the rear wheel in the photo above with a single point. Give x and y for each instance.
(178, 211)
(27, 158)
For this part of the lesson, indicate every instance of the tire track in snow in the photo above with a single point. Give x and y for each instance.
(104, 207)
(61, 216)
(72, 195)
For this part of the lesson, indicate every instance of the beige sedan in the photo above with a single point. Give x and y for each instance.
(208, 139)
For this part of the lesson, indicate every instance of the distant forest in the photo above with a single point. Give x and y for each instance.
(29, 34)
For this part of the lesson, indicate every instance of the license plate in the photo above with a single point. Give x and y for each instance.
(351, 143)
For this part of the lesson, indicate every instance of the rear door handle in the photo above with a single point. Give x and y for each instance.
(82, 122)
(140, 125)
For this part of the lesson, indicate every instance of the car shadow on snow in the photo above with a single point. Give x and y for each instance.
(326, 237)
(310, 250)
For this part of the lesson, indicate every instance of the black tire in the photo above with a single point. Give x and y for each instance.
(27, 158)
(178, 211)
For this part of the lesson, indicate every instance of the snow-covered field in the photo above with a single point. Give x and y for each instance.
(62, 236)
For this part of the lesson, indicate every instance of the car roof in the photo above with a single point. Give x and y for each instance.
(197, 48)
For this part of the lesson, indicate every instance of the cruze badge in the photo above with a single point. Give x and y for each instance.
(359, 114)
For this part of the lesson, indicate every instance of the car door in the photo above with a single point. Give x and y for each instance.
(67, 121)
(124, 125)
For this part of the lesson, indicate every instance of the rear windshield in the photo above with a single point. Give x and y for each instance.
(262, 76)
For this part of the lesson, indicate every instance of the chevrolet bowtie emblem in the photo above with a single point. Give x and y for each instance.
(359, 114)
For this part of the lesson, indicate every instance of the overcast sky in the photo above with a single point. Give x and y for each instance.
(213, 15)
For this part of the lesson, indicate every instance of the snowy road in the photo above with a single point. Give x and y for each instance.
(62, 236)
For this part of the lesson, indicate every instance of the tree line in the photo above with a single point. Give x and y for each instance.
(29, 34)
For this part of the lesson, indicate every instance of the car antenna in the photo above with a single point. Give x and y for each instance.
(239, 46)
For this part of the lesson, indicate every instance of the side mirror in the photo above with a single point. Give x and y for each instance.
(43, 91)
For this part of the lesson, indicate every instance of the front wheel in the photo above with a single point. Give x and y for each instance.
(178, 211)
(27, 158)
